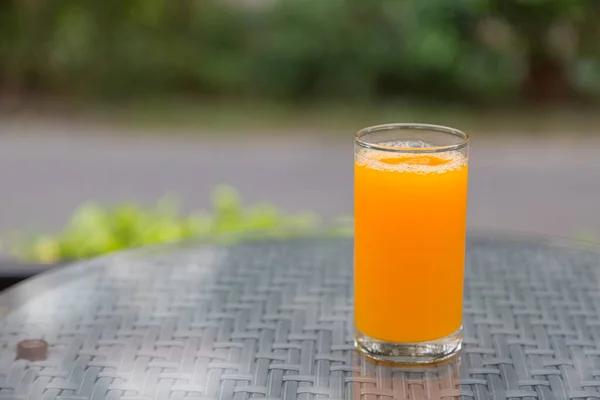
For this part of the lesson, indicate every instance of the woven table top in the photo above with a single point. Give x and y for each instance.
(274, 320)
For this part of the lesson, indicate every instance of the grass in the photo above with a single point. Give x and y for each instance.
(196, 117)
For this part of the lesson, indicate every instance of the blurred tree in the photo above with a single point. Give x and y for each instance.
(7, 40)
(461, 50)
(547, 76)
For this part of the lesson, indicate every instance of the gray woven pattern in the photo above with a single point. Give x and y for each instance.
(274, 320)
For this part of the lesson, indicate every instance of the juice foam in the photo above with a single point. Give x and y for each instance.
(418, 163)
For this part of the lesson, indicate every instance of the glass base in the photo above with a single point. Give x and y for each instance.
(409, 353)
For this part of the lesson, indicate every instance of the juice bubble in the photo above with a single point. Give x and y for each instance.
(407, 144)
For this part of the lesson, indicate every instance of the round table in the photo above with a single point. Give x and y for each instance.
(274, 320)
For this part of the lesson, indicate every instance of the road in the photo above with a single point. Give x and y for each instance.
(540, 186)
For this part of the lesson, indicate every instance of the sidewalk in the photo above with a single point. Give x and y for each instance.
(529, 185)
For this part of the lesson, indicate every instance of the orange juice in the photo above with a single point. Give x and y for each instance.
(410, 221)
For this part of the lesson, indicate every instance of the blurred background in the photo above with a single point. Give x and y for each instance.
(119, 101)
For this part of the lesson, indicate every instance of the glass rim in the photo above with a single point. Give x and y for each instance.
(410, 125)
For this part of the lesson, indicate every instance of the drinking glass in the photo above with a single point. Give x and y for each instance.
(410, 208)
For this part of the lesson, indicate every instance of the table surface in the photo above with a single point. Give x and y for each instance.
(274, 320)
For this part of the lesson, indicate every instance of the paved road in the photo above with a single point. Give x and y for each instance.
(549, 186)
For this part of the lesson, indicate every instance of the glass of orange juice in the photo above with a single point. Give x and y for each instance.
(410, 209)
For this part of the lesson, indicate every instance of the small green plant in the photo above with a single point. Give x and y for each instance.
(94, 230)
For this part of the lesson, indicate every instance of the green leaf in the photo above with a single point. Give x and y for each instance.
(94, 230)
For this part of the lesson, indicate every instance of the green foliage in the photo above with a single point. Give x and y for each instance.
(95, 230)
(293, 49)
